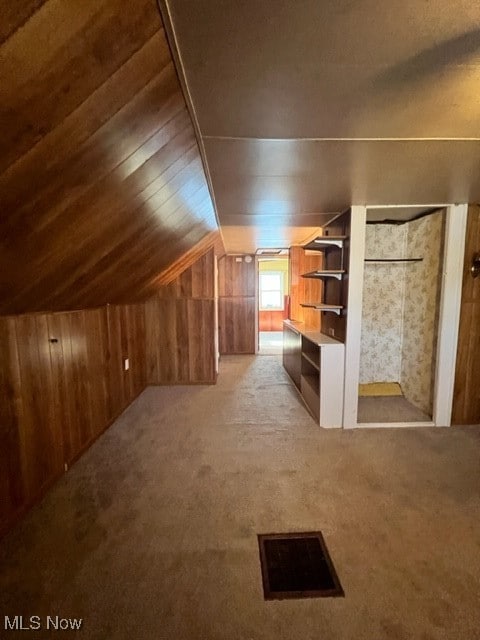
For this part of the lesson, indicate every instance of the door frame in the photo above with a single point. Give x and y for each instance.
(449, 315)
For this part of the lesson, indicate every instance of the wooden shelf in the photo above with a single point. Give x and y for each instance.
(310, 361)
(312, 382)
(323, 243)
(321, 306)
(337, 274)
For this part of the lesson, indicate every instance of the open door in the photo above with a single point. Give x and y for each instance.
(272, 278)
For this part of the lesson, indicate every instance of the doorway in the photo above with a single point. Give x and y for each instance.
(439, 366)
(272, 282)
(400, 312)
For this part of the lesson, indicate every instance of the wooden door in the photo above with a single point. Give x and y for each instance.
(236, 305)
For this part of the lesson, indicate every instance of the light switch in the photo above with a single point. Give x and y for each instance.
(126, 364)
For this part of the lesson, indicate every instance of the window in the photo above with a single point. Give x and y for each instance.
(271, 291)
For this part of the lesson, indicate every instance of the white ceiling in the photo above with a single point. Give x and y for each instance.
(305, 108)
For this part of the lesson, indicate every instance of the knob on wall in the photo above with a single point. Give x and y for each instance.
(475, 268)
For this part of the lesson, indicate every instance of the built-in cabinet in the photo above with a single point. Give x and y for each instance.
(315, 363)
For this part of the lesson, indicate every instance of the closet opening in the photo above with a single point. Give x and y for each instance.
(272, 283)
(402, 286)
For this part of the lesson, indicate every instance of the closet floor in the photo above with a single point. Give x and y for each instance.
(389, 409)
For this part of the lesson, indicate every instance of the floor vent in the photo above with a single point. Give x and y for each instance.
(297, 565)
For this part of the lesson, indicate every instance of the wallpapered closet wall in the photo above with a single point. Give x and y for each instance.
(400, 306)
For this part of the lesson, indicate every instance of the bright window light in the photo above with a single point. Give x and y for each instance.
(271, 291)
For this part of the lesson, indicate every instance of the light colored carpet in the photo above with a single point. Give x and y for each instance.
(152, 534)
(384, 409)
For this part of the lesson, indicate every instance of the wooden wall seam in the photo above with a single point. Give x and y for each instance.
(236, 305)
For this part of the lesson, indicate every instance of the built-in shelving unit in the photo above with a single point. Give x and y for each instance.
(322, 306)
(328, 245)
(337, 274)
(315, 363)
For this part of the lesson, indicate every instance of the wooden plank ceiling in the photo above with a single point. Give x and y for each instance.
(307, 108)
(102, 186)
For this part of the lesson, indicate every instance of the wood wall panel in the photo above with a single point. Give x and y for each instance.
(101, 180)
(304, 289)
(466, 400)
(236, 305)
(180, 327)
(12, 489)
(236, 321)
(271, 320)
(236, 277)
(40, 433)
(63, 383)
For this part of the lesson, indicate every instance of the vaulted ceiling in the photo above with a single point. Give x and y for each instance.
(101, 181)
(305, 108)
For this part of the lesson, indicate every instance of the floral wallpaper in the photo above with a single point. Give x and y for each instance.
(383, 300)
(421, 310)
(400, 307)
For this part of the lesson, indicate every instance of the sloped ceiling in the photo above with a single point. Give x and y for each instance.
(101, 182)
(305, 108)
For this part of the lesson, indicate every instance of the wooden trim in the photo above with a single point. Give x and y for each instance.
(449, 319)
(354, 321)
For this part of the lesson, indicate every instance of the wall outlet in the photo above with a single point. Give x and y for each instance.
(126, 364)
(331, 332)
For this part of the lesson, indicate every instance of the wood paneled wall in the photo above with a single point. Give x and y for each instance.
(271, 320)
(236, 305)
(305, 289)
(466, 401)
(180, 327)
(63, 382)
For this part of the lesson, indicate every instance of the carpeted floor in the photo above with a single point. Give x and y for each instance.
(386, 409)
(152, 534)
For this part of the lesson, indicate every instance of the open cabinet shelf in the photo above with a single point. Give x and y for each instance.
(311, 361)
(337, 274)
(321, 306)
(324, 243)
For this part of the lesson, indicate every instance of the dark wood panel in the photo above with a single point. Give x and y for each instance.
(12, 490)
(61, 57)
(180, 327)
(292, 354)
(63, 382)
(15, 14)
(466, 400)
(236, 277)
(102, 185)
(236, 320)
(40, 435)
